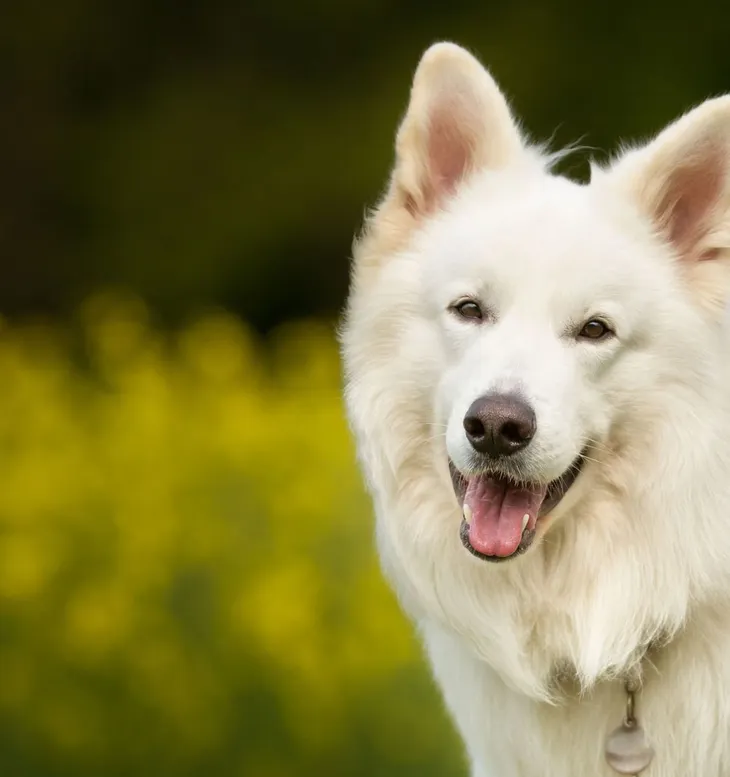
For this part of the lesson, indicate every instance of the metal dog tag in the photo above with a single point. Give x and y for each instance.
(627, 749)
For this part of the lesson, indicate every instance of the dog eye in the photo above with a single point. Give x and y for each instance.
(594, 330)
(468, 309)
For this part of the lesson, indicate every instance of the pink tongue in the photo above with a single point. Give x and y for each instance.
(498, 510)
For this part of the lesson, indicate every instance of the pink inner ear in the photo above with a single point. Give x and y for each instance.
(449, 152)
(690, 197)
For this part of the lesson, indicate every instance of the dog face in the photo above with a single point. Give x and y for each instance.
(546, 300)
(537, 303)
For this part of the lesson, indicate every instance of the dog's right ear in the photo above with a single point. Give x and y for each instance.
(457, 122)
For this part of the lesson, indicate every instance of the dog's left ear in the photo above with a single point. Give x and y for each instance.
(681, 181)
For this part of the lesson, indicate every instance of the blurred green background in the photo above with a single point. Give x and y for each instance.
(187, 577)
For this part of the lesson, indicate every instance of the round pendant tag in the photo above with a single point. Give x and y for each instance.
(627, 749)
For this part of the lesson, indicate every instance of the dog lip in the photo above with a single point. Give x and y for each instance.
(556, 490)
(559, 487)
(527, 537)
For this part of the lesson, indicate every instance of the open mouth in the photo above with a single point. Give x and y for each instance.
(500, 516)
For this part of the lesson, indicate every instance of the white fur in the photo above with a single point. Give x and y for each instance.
(530, 653)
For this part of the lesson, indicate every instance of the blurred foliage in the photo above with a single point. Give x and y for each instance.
(187, 578)
(222, 151)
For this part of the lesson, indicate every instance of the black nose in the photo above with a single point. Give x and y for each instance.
(500, 424)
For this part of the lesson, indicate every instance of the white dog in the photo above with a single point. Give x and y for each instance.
(537, 375)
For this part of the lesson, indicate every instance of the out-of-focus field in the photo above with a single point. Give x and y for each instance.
(188, 584)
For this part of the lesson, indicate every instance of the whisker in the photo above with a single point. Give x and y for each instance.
(585, 457)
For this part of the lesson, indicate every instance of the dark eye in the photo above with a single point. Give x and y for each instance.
(594, 330)
(468, 309)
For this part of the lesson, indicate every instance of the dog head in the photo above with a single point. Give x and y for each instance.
(525, 325)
